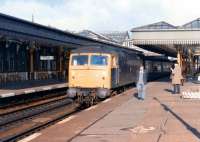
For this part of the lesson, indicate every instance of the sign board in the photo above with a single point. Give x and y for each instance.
(171, 58)
(44, 58)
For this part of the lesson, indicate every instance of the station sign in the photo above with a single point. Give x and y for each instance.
(44, 58)
(172, 58)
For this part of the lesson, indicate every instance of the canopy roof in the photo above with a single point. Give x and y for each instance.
(166, 38)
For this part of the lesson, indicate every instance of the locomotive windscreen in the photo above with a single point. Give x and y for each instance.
(79, 60)
(99, 60)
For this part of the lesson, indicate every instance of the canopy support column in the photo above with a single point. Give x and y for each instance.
(61, 63)
(31, 62)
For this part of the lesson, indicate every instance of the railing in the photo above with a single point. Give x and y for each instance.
(13, 77)
(49, 75)
(7, 79)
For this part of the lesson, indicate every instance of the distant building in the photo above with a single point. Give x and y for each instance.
(146, 52)
(122, 37)
(117, 36)
(156, 26)
(181, 41)
(93, 35)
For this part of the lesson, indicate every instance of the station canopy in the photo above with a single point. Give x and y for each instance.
(165, 38)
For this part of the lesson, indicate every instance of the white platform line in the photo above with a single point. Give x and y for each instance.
(31, 137)
(7, 95)
(67, 119)
(107, 100)
(123, 93)
(29, 91)
(91, 108)
(47, 88)
(61, 86)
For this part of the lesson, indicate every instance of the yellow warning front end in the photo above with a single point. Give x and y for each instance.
(89, 71)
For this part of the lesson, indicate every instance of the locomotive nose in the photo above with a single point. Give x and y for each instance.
(89, 78)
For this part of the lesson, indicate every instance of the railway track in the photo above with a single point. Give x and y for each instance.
(22, 107)
(34, 119)
(18, 115)
(25, 99)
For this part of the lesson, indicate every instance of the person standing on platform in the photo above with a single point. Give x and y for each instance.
(176, 78)
(141, 83)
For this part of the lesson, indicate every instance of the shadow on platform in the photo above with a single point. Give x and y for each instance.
(136, 95)
(193, 130)
(169, 90)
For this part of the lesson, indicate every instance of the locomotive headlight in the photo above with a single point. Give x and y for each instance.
(73, 75)
(104, 74)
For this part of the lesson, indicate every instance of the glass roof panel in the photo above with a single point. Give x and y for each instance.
(156, 26)
(192, 25)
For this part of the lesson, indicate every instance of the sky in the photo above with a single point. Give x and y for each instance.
(102, 15)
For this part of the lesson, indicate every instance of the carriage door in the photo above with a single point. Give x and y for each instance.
(114, 72)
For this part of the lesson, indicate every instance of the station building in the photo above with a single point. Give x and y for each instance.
(30, 52)
(182, 42)
(19, 58)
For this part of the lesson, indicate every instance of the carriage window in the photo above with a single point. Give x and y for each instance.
(79, 60)
(99, 60)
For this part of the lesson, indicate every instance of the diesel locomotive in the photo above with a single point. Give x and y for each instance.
(96, 72)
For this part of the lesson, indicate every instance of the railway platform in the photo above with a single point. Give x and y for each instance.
(161, 117)
(22, 88)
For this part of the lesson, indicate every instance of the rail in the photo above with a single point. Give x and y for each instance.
(54, 110)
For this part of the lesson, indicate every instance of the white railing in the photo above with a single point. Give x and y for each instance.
(23, 76)
(46, 75)
(13, 77)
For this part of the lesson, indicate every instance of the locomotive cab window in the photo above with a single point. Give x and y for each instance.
(79, 60)
(99, 60)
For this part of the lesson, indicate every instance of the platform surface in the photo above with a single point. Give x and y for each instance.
(161, 117)
(9, 92)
